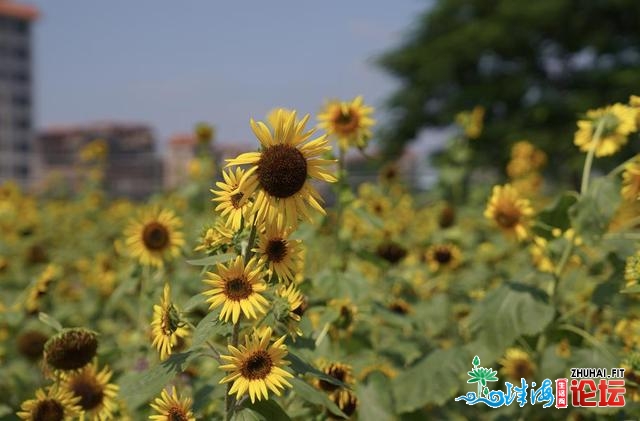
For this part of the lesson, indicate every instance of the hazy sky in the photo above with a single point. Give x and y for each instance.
(173, 63)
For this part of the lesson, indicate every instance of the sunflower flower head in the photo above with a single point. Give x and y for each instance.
(166, 326)
(632, 270)
(71, 349)
(280, 173)
(631, 180)
(233, 198)
(616, 122)
(443, 256)
(257, 366)
(295, 305)
(517, 365)
(349, 122)
(155, 237)
(509, 211)
(97, 396)
(280, 254)
(56, 404)
(215, 238)
(237, 288)
(170, 407)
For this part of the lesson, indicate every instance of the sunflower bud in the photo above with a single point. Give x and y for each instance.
(71, 349)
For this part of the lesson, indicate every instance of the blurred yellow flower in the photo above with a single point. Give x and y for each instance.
(631, 180)
(617, 121)
(517, 364)
(472, 121)
(509, 211)
(166, 326)
(154, 237)
(350, 122)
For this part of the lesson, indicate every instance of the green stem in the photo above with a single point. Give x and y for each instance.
(252, 239)
(586, 171)
(229, 401)
(342, 182)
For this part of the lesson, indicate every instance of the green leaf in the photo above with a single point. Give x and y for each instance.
(508, 312)
(590, 216)
(315, 396)
(376, 403)
(50, 321)
(476, 360)
(207, 328)
(212, 260)
(435, 380)
(633, 289)
(302, 367)
(137, 388)
(247, 415)
(557, 214)
(194, 302)
(269, 409)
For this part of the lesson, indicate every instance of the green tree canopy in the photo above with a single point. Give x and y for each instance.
(534, 65)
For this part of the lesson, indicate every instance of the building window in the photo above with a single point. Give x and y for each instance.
(21, 171)
(22, 123)
(21, 146)
(21, 100)
(21, 53)
(21, 77)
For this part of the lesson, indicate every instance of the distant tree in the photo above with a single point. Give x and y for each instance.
(534, 65)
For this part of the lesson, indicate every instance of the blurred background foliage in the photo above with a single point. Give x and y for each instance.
(533, 66)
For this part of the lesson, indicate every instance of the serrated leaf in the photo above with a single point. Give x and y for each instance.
(50, 321)
(315, 396)
(247, 415)
(508, 312)
(212, 260)
(138, 388)
(435, 379)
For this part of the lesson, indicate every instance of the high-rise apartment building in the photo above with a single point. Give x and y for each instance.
(16, 117)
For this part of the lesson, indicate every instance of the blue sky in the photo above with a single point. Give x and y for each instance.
(173, 63)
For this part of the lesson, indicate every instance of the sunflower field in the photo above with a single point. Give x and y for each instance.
(243, 296)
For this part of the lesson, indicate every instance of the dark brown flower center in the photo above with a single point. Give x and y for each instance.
(522, 369)
(276, 249)
(399, 307)
(257, 365)
(299, 310)
(237, 289)
(155, 236)
(71, 349)
(346, 122)
(282, 170)
(48, 410)
(90, 392)
(442, 255)
(175, 413)
(337, 372)
(170, 320)
(236, 199)
(507, 217)
(391, 252)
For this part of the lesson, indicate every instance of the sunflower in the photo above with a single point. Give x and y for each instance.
(339, 371)
(509, 211)
(233, 197)
(346, 401)
(349, 122)
(237, 288)
(280, 171)
(218, 236)
(616, 121)
(517, 365)
(539, 252)
(56, 404)
(155, 237)
(256, 366)
(279, 254)
(295, 308)
(39, 289)
(631, 180)
(446, 256)
(97, 395)
(166, 325)
(71, 349)
(170, 407)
